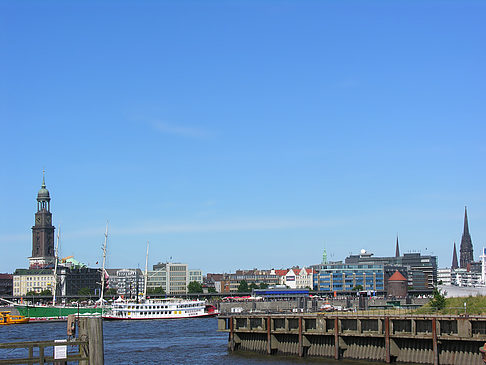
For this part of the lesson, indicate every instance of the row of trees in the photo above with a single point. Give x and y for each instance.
(193, 288)
(245, 288)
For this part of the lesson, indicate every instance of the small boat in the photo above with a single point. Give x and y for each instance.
(7, 318)
(171, 308)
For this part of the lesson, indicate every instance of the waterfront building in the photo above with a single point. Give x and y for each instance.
(81, 279)
(229, 283)
(463, 277)
(32, 280)
(466, 250)
(6, 284)
(444, 276)
(421, 269)
(42, 231)
(127, 282)
(195, 275)
(220, 282)
(338, 277)
(296, 278)
(459, 277)
(397, 285)
(172, 277)
(255, 277)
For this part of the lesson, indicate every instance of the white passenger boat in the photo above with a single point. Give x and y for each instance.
(169, 308)
(159, 309)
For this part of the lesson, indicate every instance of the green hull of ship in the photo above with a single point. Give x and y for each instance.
(55, 312)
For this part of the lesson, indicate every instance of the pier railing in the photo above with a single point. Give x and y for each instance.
(445, 339)
(37, 352)
(90, 349)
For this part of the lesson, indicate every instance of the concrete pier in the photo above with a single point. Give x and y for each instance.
(411, 338)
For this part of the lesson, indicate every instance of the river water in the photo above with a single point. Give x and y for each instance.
(183, 341)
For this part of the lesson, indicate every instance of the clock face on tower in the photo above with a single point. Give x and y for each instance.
(48, 220)
(37, 219)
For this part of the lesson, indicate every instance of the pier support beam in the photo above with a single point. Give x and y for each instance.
(269, 335)
(95, 338)
(301, 344)
(435, 345)
(83, 336)
(387, 340)
(336, 338)
(232, 334)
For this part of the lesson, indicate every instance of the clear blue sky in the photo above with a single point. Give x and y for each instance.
(242, 134)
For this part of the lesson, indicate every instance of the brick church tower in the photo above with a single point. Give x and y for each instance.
(42, 231)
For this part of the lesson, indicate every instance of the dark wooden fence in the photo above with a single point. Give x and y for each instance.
(90, 349)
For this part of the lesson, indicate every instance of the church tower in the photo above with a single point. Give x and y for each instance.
(42, 231)
(454, 258)
(397, 249)
(466, 250)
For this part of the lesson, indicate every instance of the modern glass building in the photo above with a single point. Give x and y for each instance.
(344, 277)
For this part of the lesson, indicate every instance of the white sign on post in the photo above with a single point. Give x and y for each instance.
(60, 352)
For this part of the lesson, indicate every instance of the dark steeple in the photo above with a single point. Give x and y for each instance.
(43, 230)
(397, 249)
(454, 258)
(466, 250)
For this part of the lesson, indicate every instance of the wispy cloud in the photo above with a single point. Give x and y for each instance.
(179, 130)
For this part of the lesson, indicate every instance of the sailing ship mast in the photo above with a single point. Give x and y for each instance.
(146, 276)
(103, 270)
(55, 267)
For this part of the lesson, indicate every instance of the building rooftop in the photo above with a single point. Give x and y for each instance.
(397, 276)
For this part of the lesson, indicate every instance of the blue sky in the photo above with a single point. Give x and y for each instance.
(242, 134)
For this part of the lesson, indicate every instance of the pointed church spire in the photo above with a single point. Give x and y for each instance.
(466, 225)
(454, 265)
(466, 250)
(397, 249)
(43, 179)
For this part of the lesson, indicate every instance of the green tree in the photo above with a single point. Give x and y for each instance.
(31, 293)
(263, 286)
(194, 287)
(358, 288)
(157, 290)
(252, 286)
(243, 287)
(438, 299)
(212, 290)
(46, 292)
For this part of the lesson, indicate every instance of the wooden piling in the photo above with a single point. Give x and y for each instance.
(269, 335)
(83, 336)
(95, 338)
(301, 344)
(387, 340)
(435, 345)
(336, 338)
(232, 334)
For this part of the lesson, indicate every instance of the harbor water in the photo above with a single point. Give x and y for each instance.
(184, 341)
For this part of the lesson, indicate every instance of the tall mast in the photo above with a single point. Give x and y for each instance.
(103, 269)
(55, 267)
(146, 265)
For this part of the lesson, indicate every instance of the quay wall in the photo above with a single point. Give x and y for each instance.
(309, 305)
(407, 339)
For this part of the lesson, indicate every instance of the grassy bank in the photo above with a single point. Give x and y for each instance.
(474, 305)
